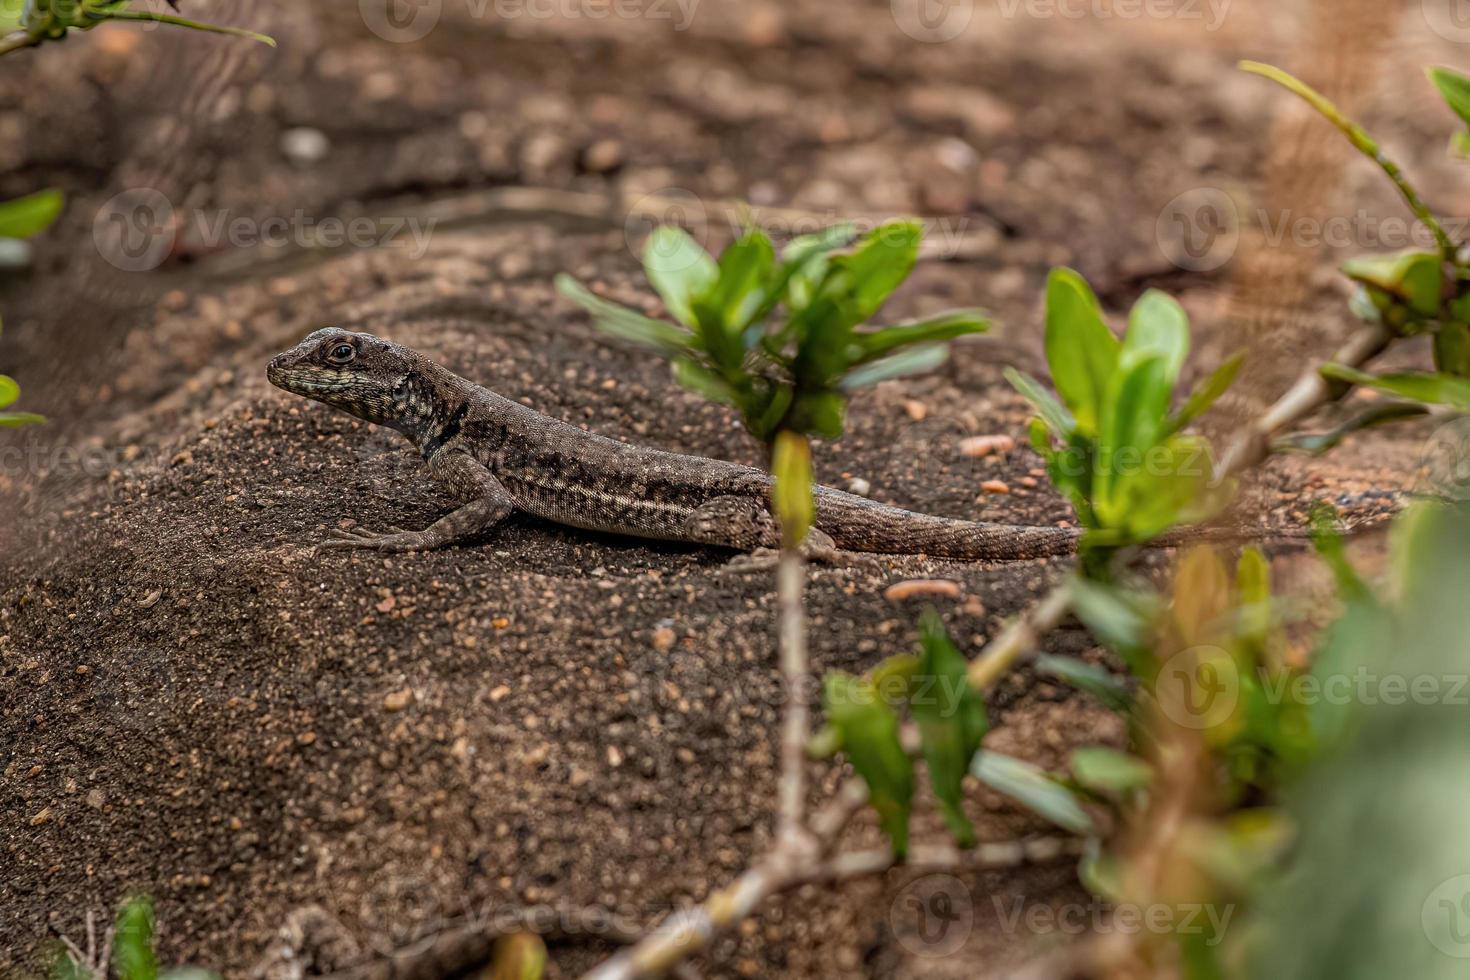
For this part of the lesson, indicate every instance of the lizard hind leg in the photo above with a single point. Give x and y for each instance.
(732, 522)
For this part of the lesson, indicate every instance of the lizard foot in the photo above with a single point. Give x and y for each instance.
(394, 539)
(819, 548)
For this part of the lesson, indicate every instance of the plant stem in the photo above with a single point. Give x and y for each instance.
(1020, 638)
(1310, 392)
(1364, 143)
(16, 41)
(796, 717)
(161, 18)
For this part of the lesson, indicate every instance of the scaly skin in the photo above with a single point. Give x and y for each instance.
(497, 456)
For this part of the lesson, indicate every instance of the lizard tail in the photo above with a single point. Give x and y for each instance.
(858, 524)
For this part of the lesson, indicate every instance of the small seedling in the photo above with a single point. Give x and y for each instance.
(25, 23)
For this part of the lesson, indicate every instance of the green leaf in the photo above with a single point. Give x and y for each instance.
(1117, 620)
(14, 420)
(879, 265)
(1032, 788)
(1455, 89)
(1317, 443)
(9, 391)
(935, 329)
(679, 269)
(1100, 682)
(739, 293)
(1207, 393)
(1057, 418)
(132, 945)
(1133, 421)
(1108, 771)
(869, 730)
(819, 413)
(1333, 551)
(951, 720)
(803, 264)
(623, 323)
(30, 215)
(702, 381)
(1158, 326)
(519, 956)
(791, 465)
(1432, 389)
(1452, 349)
(1080, 349)
(1415, 277)
(63, 967)
(919, 360)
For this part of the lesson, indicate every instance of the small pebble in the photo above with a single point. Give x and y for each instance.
(398, 700)
(995, 486)
(663, 638)
(915, 410)
(921, 587)
(151, 599)
(977, 446)
(859, 486)
(304, 145)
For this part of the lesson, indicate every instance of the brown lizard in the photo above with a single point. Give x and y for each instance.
(496, 456)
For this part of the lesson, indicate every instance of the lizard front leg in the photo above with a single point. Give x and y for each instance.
(489, 504)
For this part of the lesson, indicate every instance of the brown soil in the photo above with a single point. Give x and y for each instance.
(196, 705)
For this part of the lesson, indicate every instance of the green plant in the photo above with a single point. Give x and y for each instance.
(780, 339)
(1418, 291)
(783, 340)
(30, 22)
(1114, 444)
(131, 956)
(22, 218)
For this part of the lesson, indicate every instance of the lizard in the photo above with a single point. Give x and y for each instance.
(496, 456)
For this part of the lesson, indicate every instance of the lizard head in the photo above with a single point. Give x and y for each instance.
(357, 373)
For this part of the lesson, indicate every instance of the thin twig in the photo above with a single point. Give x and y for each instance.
(1310, 392)
(1020, 638)
(16, 41)
(796, 718)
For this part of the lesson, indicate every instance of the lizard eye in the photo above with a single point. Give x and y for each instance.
(341, 354)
